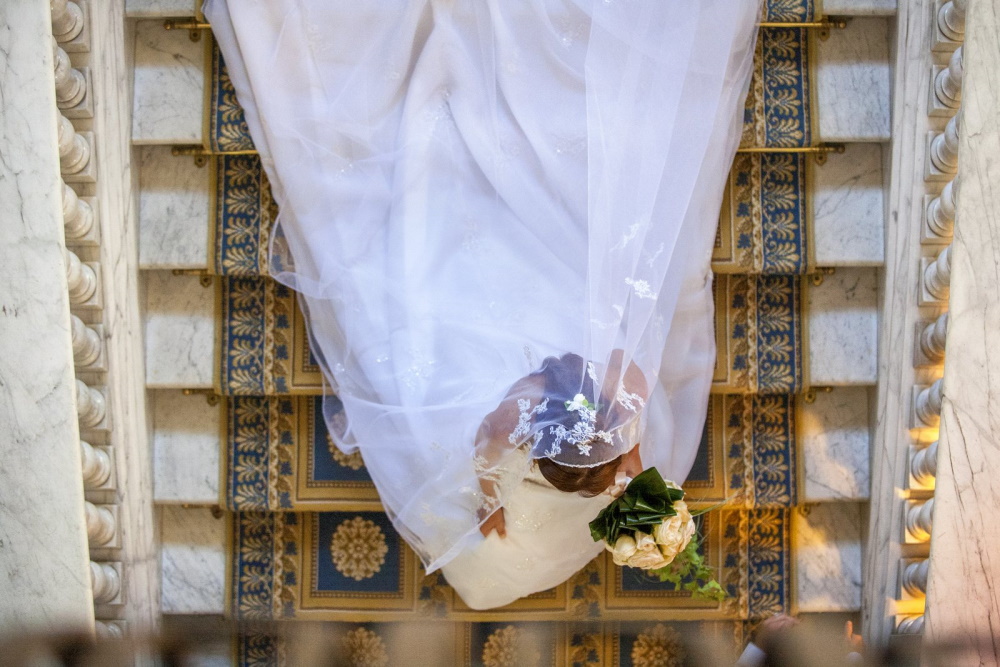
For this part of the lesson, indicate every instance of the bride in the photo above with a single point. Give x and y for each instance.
(499, 217)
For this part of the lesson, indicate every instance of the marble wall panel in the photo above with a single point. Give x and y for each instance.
(834, 441)
(852, 82)
(169, 98)
(174, 201)
(193, 560)
(826, 551)
(186, 448)
(180, 331)
(848, 219)
(842, 330)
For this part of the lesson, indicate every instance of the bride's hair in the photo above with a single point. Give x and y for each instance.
(589, 482)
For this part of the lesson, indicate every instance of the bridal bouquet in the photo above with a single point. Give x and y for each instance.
(651, 528)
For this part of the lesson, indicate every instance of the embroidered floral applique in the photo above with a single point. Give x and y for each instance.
(524, 419)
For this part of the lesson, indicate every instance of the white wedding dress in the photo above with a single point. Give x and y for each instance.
(468, 190)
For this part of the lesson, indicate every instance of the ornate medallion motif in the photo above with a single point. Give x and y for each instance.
(358, 548)
(352, 461)
(364, 648)
(659, 647)
(510, 647)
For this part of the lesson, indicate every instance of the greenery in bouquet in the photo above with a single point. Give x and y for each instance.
(651, 528)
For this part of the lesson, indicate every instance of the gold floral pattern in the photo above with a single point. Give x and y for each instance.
(364, 648)
(358, 548)
(352, 461)
(658, 647)
(510, 647)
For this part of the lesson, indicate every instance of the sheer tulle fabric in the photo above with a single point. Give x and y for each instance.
(475, 193)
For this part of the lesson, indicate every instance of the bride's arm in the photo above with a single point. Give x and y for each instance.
(493, 440)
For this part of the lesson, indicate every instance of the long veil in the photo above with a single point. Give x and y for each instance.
(476, 192)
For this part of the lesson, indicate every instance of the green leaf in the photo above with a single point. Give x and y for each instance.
(647, 501)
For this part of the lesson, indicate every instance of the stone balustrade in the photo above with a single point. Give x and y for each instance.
(937, 275)
(951, 19)
(941, 212)
(944, 147)
(923, 464)
(81, 279)
(74, 151)
(90, 405)
(948, 82)
(911, 625)
(67, 20)
(100, 524)
(919, 520)
(96, 465)
(932, 338)
(914, 578)
(928, 404)
(105, 582)
(71, 85)
(86, 342)
(78, 216)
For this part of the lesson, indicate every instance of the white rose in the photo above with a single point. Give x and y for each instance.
(647, 554)
(674, 534)
(623, 550)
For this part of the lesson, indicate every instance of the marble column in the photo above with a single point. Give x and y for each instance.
(44, 561)
(962, 595)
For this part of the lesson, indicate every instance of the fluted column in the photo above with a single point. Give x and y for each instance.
(105, 581)
(923, 465)
(919, 520)
(932, 338)
(941, 212)
(944, 147)
(914, 578)
(71, 86)
(80, 278)
(948, 82)
(89, 405)
(96, 465)
(67, 20)
(74, 151)
(100, 524)
(951, 19)
(937, 275)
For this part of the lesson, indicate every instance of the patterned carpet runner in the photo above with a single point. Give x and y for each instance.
(308, 538)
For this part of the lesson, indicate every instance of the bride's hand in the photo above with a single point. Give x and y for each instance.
(494, 521)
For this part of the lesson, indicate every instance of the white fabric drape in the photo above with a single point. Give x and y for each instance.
(469, 188)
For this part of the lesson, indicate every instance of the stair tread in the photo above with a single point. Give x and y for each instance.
(193, 561)
(834, 441)
(180, 331)
(185, 449)
(169, 95)
(174, 211)
(842, 328)
(826, 548)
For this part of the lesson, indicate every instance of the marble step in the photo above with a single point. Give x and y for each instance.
(147, 9)
(859, 7)
(186, 433)
(844, 206)
(827, 548)
(841, 330)
(833, 446)
(168, 104)
(192, 560)
(852, 82)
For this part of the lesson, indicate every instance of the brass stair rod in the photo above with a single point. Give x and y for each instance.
(198, 151)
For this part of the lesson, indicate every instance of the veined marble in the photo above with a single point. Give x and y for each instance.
(193, 560)
(180, 331)
(174, 202)
(826, 551)
(962, 601)
(852, 82)
(848, 221)
(859, 7)
(842, 321)
(186, 448)
(143, 9)
(834, 440)
(44, 561)
(169, 98)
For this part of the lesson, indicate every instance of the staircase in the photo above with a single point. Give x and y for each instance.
(262, 518)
